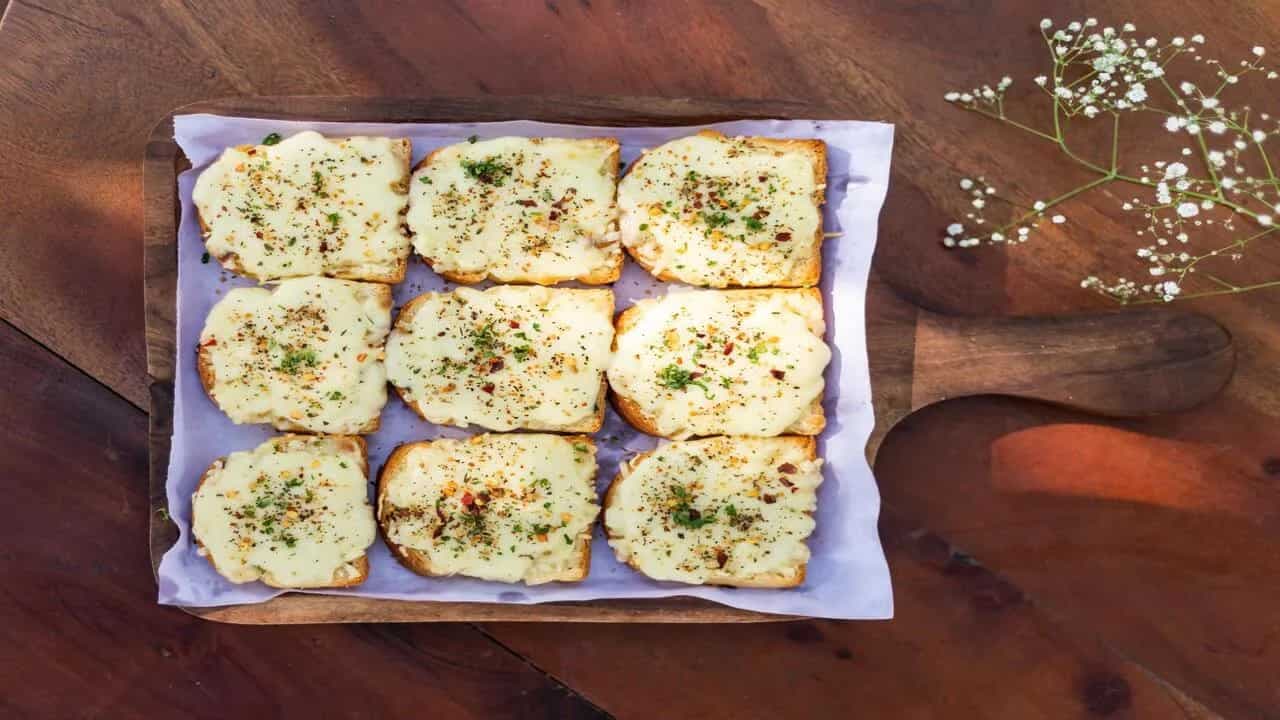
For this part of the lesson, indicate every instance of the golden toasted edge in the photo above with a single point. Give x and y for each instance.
(588, 424)
(768, 580)
(361, 563)
(419, 562)
(804, 276)
(602, 275)
(402, 150)
(209, 378)
(811, 424)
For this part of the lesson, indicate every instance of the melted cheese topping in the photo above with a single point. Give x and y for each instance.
(306, 356)
(505, 358)
(718, 211)
(308, 205)
(519, 209)
(293, 512)
(497, 507)
(713, 362)
(719, 510)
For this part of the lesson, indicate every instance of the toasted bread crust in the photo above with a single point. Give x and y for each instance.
(361, 564)
(209, 378)
(599, 276)
(587, 425)
(807, 275)
(630, 410)
(420, 563)
(230, 261)
(769, 580)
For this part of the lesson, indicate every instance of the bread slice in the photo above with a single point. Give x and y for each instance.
(308, 205)
(720, 212)
(519, 210)
(306, 356)
(718, 511)
(293, 512)
(722, 362)
(505, 358)
(510, 508)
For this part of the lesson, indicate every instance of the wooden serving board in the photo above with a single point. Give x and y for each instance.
(1124, 363)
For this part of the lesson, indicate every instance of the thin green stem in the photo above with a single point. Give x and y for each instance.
(1208, 293)
(1055, 201)
(1115, 142)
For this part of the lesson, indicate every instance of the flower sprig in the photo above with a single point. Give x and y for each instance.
(1222, 181)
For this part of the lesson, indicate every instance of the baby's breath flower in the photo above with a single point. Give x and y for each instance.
(1213, 183)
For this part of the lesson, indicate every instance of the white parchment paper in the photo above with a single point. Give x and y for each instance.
(847, 576)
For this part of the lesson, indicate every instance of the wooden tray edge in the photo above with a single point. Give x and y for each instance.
(160, 225)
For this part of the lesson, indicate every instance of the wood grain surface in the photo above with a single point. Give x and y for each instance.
(1141, 552)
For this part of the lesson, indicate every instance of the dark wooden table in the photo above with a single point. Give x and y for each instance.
(1046, 564)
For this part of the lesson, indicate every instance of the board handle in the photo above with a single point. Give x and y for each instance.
(1126, 363)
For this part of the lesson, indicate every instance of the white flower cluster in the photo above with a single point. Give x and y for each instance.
(1224, 180)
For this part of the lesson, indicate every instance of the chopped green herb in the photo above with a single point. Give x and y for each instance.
(644, 226)
(424, 180)
(335, 218)
(472, 139)
(484, 339)
(753, 224)
(716, 220)
(754, 354)
(568, 540)
(522, 352)
(272, 139)
(677, 378)
(488, 171)
(335, 395)
(204, 259)
(684, 514)
(293, 482)
(295, 359)
(731, 511)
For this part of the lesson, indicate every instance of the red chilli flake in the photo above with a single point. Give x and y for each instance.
(778, 374)
(769, 499)
(782, 237)
(515, 324)
(728, 348)
(488, 388)
(787, 468)
(722, 557)
(468, 498)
